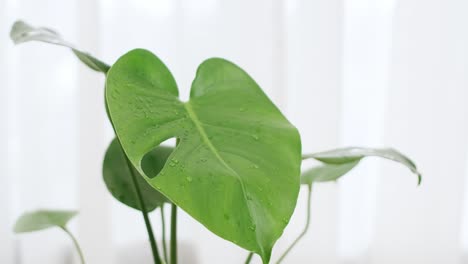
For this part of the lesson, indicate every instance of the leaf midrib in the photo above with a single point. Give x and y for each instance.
(198, 124)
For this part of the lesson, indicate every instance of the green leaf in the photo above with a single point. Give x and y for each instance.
(237, 166)
(119, 182)
(43, 219)
(326, 172)
(354, 155)
(23, 32)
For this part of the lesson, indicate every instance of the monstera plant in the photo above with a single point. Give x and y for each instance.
(236, 165)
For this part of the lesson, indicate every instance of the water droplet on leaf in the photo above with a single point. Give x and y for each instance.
(226, 216)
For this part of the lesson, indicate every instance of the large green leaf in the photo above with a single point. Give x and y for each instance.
(23, 32)
(118, 180)
(236, 168)
(340, 161)
(43, 219)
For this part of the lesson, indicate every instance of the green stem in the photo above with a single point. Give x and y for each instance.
(309, 195)
(249, 258)
(173, 234)
(144, 211)
(149, 229)
(163, 223)
(75, 243)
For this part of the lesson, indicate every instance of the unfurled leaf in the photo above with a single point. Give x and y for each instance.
(236, 168)
(43, 219)
(118, 180)
(344, 156)
(22, 32)
(326, 172)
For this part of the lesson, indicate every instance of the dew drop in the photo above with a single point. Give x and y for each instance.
(252, 227)
(226, 216)
(242, 109)
(203, 159)
(189, 179)
(249, 197)
(256, 137)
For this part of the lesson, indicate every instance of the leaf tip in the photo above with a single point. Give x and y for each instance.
(14, 30)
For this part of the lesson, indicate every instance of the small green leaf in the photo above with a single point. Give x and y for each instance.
(342, 156)
(22, 32)
(43, 219)
(236, 168)
(326, 172)
(118, 179)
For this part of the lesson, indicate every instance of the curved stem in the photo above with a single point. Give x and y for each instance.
(154, 248)
(75, 243)
(173, 234)
(144, 211)
(309, 195)
(249, 258)
(163, 223)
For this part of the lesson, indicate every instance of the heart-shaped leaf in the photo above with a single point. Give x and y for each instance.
(118, 180)
(340, 161)
(23, 32)
(43, 219)
(236, 168)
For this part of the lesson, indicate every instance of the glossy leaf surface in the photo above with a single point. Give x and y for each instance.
(23, 32)
(43, 219)
(237, 167)
(345, 159)
(118, 180)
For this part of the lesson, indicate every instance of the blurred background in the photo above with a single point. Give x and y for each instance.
(346, 72)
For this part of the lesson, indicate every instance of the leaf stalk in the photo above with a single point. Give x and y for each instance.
(306, 227)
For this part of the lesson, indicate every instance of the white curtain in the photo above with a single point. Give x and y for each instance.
(346, 72)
